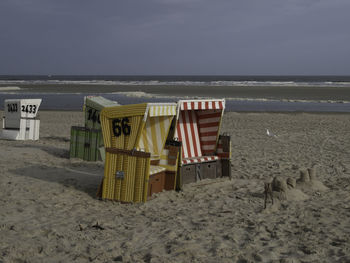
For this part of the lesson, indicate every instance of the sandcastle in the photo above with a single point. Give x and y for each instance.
(308, 181)
(276, 189)
(290, 189)
(307, 175)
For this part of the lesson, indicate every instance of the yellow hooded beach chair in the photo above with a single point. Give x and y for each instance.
(134, 137)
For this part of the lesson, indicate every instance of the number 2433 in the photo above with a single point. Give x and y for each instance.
(120, 126)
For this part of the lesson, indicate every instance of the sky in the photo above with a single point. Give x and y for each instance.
(175, 37)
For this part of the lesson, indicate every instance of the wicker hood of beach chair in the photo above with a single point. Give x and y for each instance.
(20, 121)
(92, 109)
(134, 137)
(204, 152)
(86, 142)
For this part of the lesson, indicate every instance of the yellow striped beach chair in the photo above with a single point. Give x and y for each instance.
(134, 137)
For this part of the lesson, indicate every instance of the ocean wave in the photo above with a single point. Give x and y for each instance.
(245, 83)
(141, 94)
(137, 94)
(9, 88)
(152, 96)
(290, 100)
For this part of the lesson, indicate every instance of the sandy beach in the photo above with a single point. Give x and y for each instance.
(49, 213)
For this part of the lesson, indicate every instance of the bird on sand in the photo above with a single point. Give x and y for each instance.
(270, 133)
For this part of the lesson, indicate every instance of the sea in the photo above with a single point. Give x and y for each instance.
(242, 93)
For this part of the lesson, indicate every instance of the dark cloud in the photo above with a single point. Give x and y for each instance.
(174, 37)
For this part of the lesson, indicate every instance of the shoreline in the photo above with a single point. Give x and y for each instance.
(226, 111)
(69, 102)
(57, 98)
(308, 93)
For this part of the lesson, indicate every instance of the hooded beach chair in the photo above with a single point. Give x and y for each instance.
(134, 137)
(204, 153)
(86, 142)
(20, 120)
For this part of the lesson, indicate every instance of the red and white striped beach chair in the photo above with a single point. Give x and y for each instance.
(203, 150)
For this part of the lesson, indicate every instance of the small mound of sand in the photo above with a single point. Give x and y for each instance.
(312, 185)
(279, 184)
(308, 181)
(291, 183)
(304, 176)
(281, 189)
(296, 195)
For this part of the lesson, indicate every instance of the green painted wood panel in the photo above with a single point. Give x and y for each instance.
(85, 143)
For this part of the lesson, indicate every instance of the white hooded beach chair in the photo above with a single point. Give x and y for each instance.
(20, 120)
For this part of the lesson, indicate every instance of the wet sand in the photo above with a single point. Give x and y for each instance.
(49, 212)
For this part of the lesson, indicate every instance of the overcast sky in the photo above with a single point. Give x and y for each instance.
(225, 37)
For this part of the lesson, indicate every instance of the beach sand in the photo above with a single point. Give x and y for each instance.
(49, 213)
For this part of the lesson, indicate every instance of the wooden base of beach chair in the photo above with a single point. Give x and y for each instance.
(169, 182)
(29, 130)
(156, 183)
(191, 173)
(218, 169)
(188, 174)
(210, 170)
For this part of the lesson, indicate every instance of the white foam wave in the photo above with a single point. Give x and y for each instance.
(290, 100)
(141, 94)
(247, 83)
(9, 88)
(137, 94)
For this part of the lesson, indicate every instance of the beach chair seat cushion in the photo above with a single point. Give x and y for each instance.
(154, 169)
(201, 159)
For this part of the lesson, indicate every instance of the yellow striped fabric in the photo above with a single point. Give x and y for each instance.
(154, 134)
(162, 110)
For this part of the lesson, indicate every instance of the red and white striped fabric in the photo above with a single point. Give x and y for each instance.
(202, 159)
(209, 123)
(202, 104)
(197, 129)
(187, 133)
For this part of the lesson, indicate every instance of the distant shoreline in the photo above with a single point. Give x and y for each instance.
(309, 93)
(74, 102)
(70, 96)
